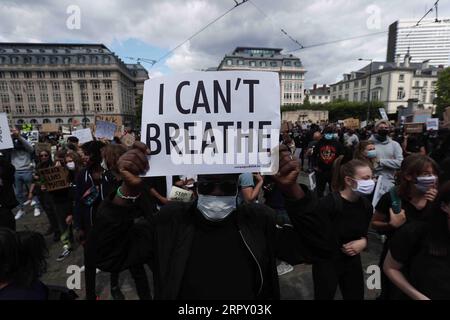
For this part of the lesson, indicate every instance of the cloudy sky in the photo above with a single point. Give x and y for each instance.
(150, 28)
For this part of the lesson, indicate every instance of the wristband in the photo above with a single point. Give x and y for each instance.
(129, 198)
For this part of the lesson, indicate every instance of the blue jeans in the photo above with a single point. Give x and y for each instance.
(22, 182)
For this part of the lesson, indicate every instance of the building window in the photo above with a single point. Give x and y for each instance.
(424, 96)
(70, 108)
(400, 93)
(56, 97)
(81, 74)
(355, 96)
(356, 84)
(31, 97)
(334, 89)
(297, 96)
(363, 82)
(15, 86)
(41, 74)
(378, 80)
(108, 84)
(287, 63)
(14, 75)
(363, 96)
(20, 109)
(340, 87)
(4, 98)
(44, 97)
(33, 108)
(3, 86)
(110, 107)
(95, 85)
(375, 96)
(417, 94)
(18, 97)
(98, 107)
(273, 64)
(425, 83)
(59, 121)
(46, 121)
(229, 62)
(262, 64)
(66, 60)
(401, 78)
(55, 86)
(417, 84)
(66, 75)
(97, 96)
(53, 75)
(240, 62)
(108, 96)
(29, 85)
(2, 75)
(297, 86)
(58, 108)
(69, 96)
(67, 85)
(94, 74)
(28, 75)
(85, 106)
(7, 109)
(252, 64)
(83, 85)
(288, 96)
(347, 85)
(42, 85)
(33, 121)
(287, 86)
(346, 97)
(106, 74)
(45, 108)
(84, 96)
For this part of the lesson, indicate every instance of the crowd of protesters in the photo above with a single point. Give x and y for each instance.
(237, 233)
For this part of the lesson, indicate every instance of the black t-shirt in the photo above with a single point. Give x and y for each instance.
(414, 144)
(411, 212)
(350, 222)
(219, 266)
(37, 291)
(428, 273)
(326, 151)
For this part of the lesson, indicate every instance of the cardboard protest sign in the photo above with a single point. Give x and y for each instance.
(433, 124)
(383, 114)
(105, 129)
(55, 178)
(83, 135)
(178, 194)
(49, 127)
(413, 127)
(351, 123)
(117, 120)
(212, 122)
(5, 134)
(128, 140)
(38, 147)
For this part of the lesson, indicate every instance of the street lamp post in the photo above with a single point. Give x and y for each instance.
(369, 85)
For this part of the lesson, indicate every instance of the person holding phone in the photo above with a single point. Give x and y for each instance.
(416, 190)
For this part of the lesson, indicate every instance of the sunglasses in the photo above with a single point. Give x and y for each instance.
(207, 187)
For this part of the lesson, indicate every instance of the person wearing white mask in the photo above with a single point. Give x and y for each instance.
(211, 248)
(349, 213)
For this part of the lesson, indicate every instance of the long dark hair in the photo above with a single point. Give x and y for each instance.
(33, 253)
(413, 166)
(9, 255)
(438, 234)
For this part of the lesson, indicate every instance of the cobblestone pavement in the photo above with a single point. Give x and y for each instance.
(295, 285)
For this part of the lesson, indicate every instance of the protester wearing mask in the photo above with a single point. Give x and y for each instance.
(410, 201)
(310, 150)
(8, 199)
(389, 152)
(22, 162)
(418, 261)
(327, 150)
(209, 249)
(350, 139)
(349, 212)
(366, 152)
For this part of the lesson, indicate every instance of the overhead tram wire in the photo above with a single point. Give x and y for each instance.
(238, 4)
(273, 23)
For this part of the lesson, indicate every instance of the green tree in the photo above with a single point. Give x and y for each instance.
(443, 92)
(138, 111)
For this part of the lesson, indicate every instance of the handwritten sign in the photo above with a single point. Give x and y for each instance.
(83, 135)
(105, 129)
(49, 127)
(55, 178)
(5, 134)
(212, 122)
(433, 124)
(178, 194)
(351, 123)
(413, 127)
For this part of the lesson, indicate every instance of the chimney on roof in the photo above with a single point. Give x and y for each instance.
(397, 60)
(407, 60)
(324, 86)
(315, 86)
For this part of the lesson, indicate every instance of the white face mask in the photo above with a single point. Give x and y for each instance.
(364, 187)
(70, 165)
(216, 208)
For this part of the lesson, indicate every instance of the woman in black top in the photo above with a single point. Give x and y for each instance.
(349, 214)
(418, 261)
(416, 190)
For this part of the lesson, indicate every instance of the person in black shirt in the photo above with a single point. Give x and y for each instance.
(327, 150)
(349, 212)
(416, 191)
(418, 261)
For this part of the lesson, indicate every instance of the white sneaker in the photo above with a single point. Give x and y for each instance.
(27, 202)
(19, 214)
(37, 212)
(284, 268)
(33, 203)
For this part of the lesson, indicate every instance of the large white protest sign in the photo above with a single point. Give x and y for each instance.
(83, 135)
(212, 122)
(105, 129)
(433, 124)
(383, 114)
(5, 134)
